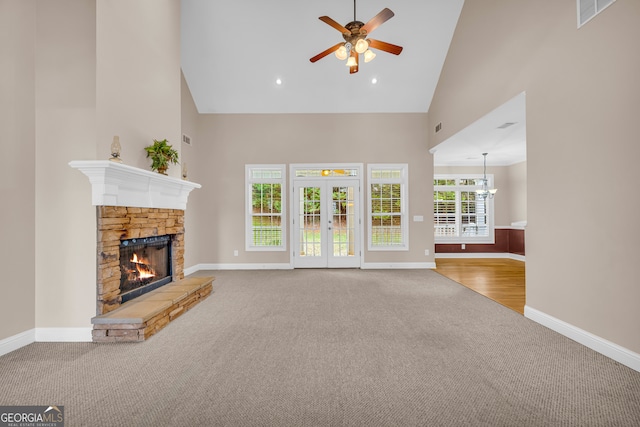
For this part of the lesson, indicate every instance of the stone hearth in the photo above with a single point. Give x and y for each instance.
(140, 318)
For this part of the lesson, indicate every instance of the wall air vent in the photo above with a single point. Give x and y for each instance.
(438, 127)
(587, 9)
(186, 139)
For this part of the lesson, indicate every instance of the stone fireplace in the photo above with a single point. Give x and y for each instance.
(134, 206)
(121, 229)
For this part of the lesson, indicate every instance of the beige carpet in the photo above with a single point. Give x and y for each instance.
(331, 348)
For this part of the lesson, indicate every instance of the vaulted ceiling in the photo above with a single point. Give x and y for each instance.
(235, 52)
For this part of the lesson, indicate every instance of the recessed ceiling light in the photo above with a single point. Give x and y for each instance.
(374, 81)
(278, 81)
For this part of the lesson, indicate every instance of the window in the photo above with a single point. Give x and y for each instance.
(265, 204)
(388, 225)
(587, 9)
(316, 172)
(459, 216)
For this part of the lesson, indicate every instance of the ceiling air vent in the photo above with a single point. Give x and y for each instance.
(506, 125)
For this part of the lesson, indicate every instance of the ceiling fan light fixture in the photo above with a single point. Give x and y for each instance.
(355, 34)
(369, 55)
(341, 53)
(362, 45)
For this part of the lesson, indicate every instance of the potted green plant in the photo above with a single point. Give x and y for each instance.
(162, 154)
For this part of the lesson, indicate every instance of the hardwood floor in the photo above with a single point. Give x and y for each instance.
(500, 279)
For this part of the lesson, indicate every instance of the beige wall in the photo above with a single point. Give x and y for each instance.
(517, 179)
(582, 109)
(188, 156)
(227, 142)
(74, 73)
(65, 131)
(17, 173)
(138, 77)
(87, 90)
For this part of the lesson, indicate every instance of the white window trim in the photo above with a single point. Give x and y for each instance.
(404, 196)
(491, 238)
(249, 181)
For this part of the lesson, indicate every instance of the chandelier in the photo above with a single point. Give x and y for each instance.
(485, 191)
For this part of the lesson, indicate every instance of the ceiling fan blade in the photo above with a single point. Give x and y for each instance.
(354, 69)
(334, 24)
(326, 52)
(387, 47)
(377, 20)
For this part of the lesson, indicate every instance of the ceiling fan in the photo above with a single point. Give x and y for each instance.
(356, 42)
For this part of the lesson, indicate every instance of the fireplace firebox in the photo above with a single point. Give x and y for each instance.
(145, 265)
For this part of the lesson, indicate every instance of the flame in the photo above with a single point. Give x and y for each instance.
(144, 271)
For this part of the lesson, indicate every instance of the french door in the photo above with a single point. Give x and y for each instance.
(326, 223)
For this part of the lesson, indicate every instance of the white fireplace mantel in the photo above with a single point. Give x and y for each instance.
(116, 184)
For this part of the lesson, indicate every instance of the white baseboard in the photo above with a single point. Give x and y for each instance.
(191, 270)
(238, 266)
(22, 339)
(602, 346)
(397, 265)
(17, 341)
(63, 334)
(481, 255)
(275, 266)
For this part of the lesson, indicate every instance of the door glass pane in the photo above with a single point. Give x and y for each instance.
(343, 221)
(309, 222)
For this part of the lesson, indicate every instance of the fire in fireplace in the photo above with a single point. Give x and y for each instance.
(145, 265)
